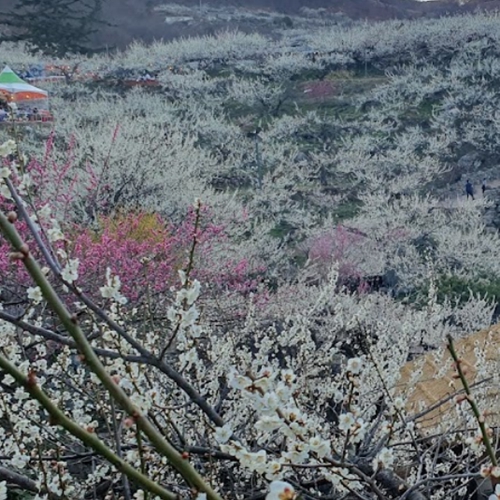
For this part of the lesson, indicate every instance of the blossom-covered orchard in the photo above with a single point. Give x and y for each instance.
(210, 286)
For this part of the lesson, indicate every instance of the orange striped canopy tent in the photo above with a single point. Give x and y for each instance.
(14, 89)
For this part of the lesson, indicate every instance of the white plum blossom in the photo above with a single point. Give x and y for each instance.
(269, 423)
(173, 315)
(54, 233)
(346, 421)
(4, 172)
(288, 376)
(35, 294)
(399, 403)
(193, 292)
(354, 366)
(62, 253)
(496, 494)
(126, 384)
(269, 402)
(263, 383)
(182, 276)
(223, 434)
(189, 317)
(359, 430)
(7, 148)
(284, 392)
(485, 470)
(253, 461)
(238, 381)
(281, 490)
(274, 470)
(19, 460)
(45, 212)
(384, 459)
(188, 294)
(25, 183)
(21, 394)
(189, 357)
(112, 288)
(4, 191)
(338, 396)
(475, 443)
(184, 314)
(298, 455)
(256, 461)
(70, 271)
(319, 446)
(334, 477)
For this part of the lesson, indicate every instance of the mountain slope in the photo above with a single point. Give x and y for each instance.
(131, 20)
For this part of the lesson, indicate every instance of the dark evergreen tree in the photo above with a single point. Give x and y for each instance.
(53, 27)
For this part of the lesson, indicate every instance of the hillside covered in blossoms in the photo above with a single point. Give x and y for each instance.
(231, 263)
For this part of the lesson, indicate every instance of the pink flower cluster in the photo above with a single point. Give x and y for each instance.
(147, 253)
(142, 248)
(338, 245)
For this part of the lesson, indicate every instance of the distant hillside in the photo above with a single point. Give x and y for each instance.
(138, 20)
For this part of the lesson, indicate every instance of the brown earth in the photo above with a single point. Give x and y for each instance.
(433, 395)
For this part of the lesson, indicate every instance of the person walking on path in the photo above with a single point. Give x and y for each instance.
(469, 190)
(483, 186)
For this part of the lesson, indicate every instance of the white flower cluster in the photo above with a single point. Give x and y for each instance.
(281, 490)
(305, 401)
(35, 294)
(70, 271)
(384, 459)
(54, 233)
(112, 288)
(7, 148)
(271, 394)
(184, 314)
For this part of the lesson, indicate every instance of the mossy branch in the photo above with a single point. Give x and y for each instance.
(472, 403)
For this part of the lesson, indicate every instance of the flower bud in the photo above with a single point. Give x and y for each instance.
(24, 249)
(31, 382)
(128, 422)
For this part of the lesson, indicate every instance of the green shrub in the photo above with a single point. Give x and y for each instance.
(459, 289)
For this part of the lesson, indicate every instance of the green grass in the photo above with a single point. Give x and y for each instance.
(362, 70)
(421, 114)
(281, 229)
(218, 72)
(334, 107)
(309, 75)
(339, 104)
(347, 210)
(458, 290)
